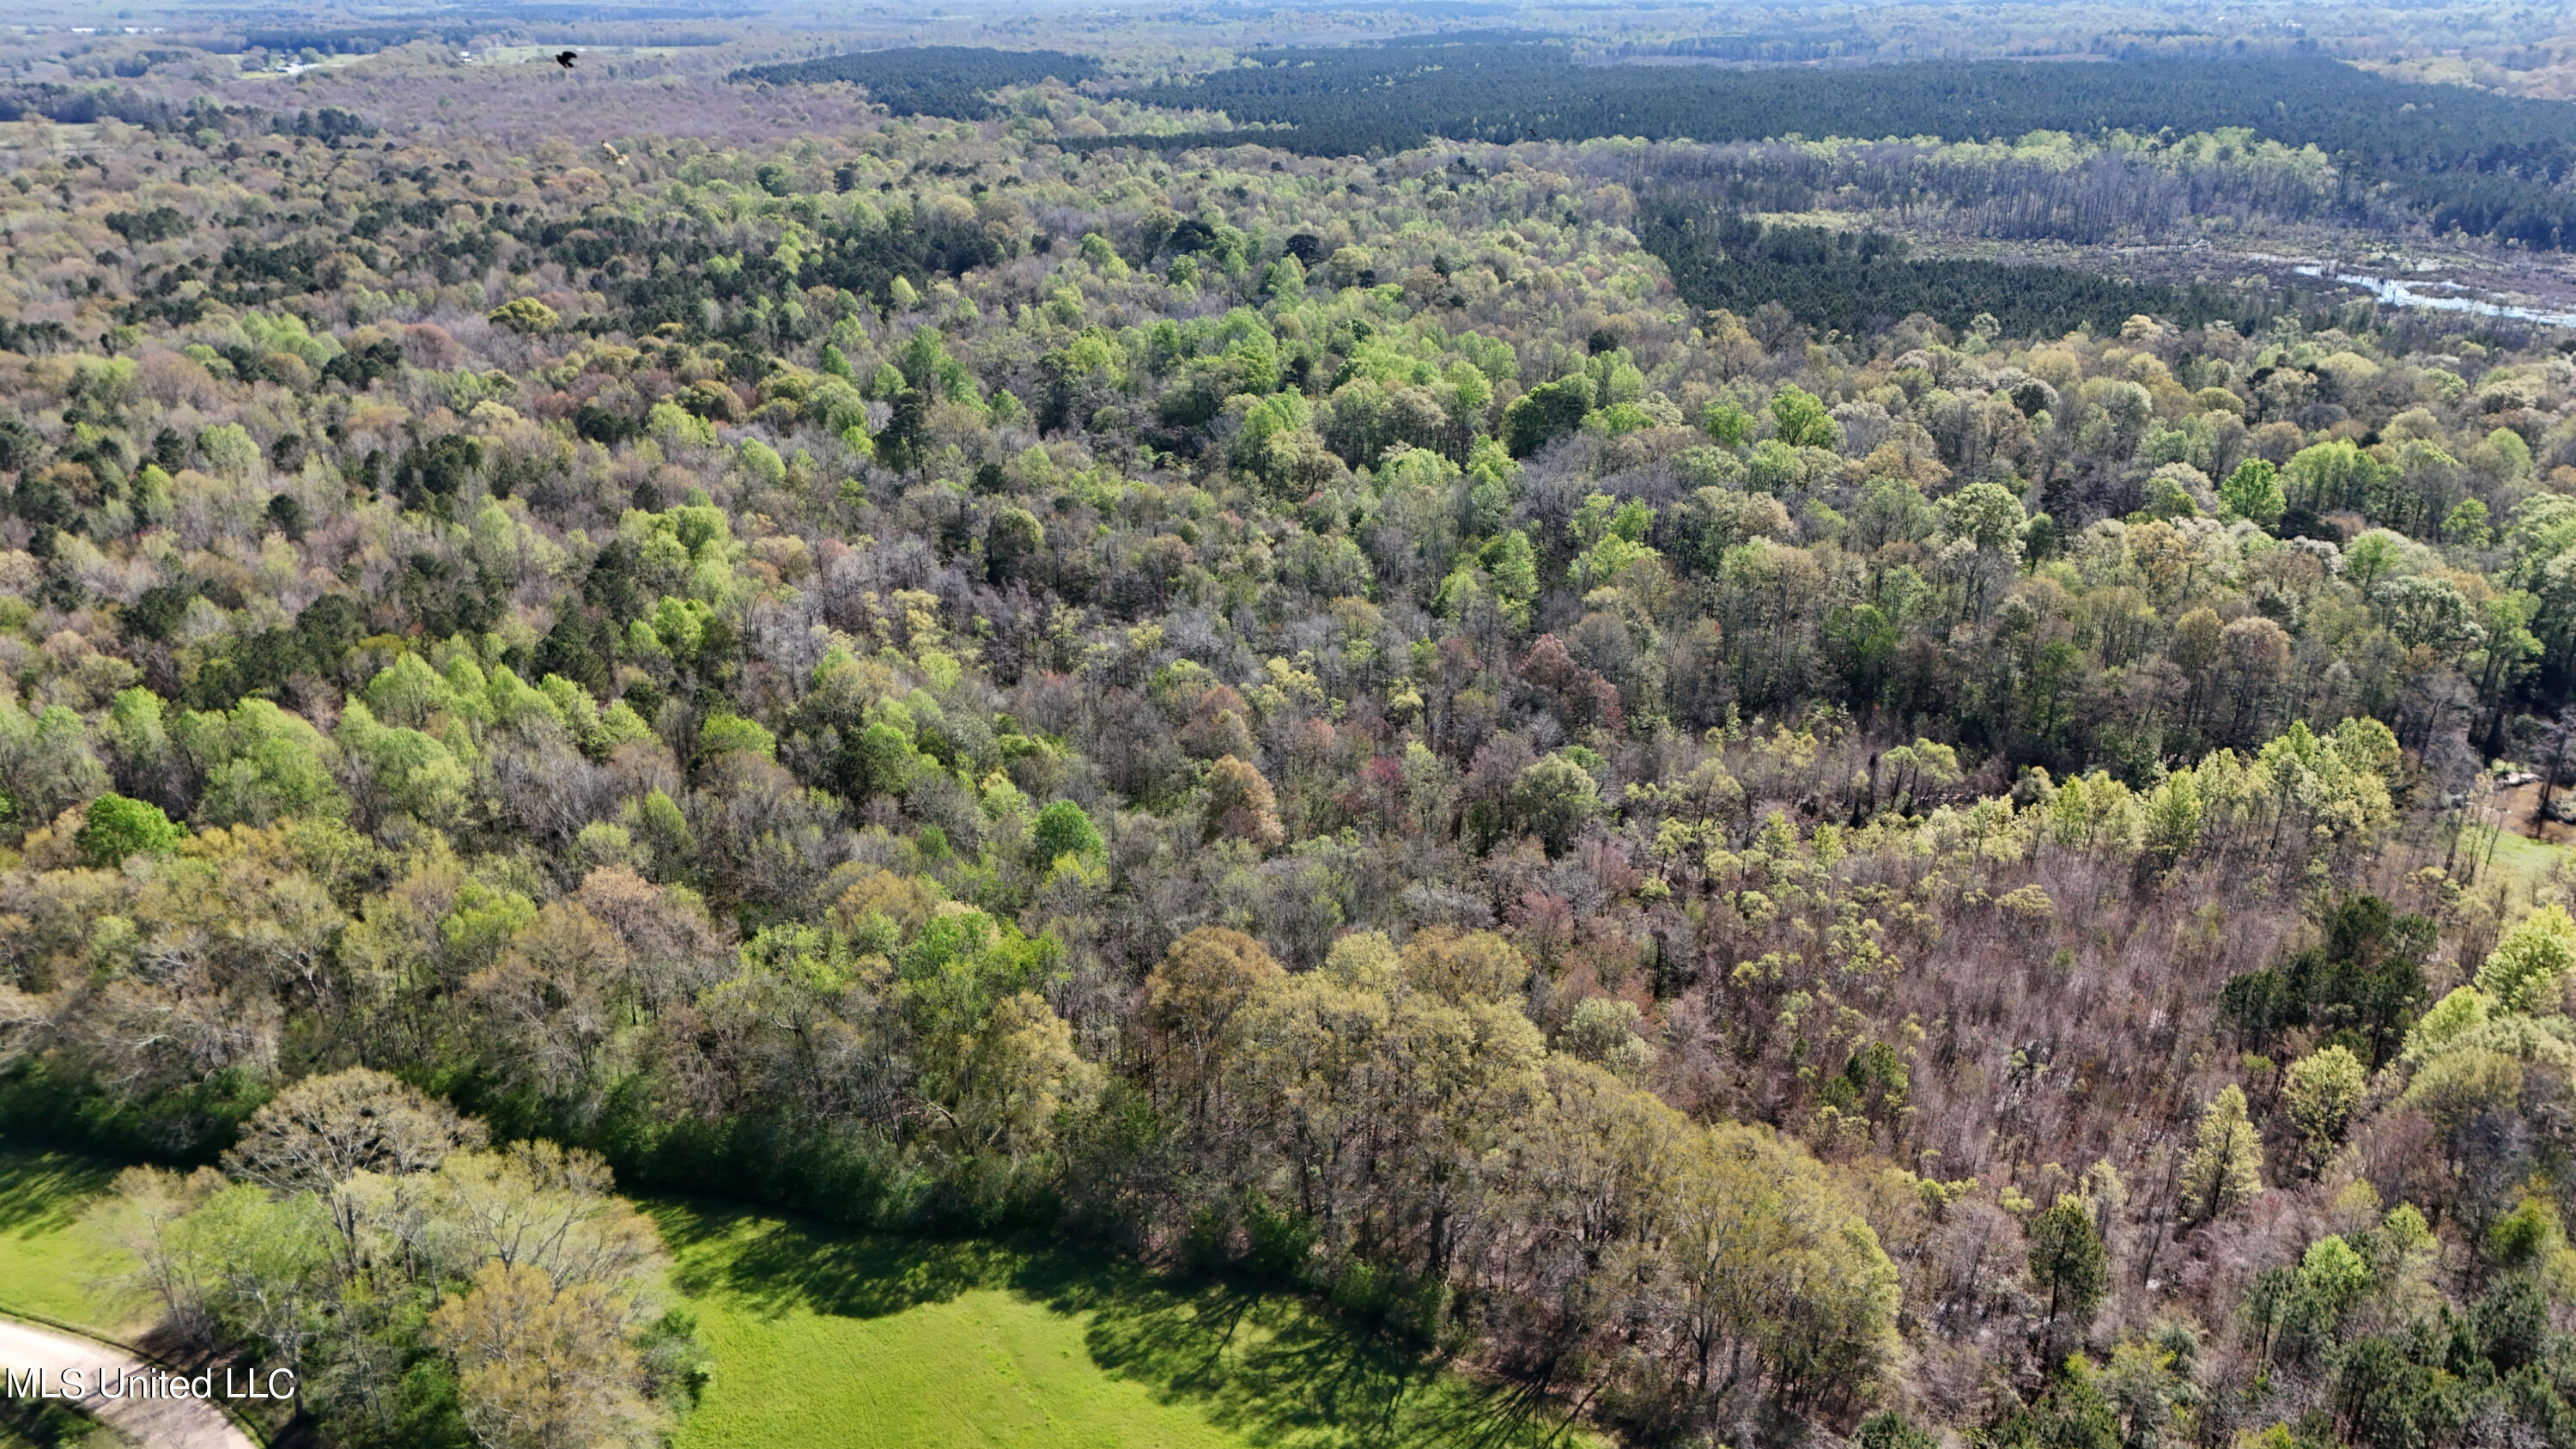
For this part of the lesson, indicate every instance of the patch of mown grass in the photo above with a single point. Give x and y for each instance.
(855, 1341)
(47, 1265)
(821, 1337)
(2524, 861)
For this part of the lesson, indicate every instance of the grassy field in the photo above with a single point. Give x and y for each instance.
(2524, 861)
(47, 1265)
(862, 1342)
(855, 1341)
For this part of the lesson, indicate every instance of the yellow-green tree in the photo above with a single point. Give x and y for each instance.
(2225, 1168)
(545, 1367)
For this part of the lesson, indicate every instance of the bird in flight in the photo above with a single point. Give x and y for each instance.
(566, 58)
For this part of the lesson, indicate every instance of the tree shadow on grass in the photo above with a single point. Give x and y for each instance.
(44, 1192)
(773, 1265)
(1258, 1363)
(1268, 1366)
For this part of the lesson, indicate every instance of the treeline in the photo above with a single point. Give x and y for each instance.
(1850, 44)
(1505, 92)
(934, 80)
(2488, 164)
(2047, 185)
(349, 40)
(1863, 282)
(85, 105)
(460, 25)
(76, 105)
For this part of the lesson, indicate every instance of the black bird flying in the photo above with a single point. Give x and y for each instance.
(566, 58)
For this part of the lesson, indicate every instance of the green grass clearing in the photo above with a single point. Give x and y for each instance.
(47, 1264)
(855, 1341)
(821, 1337)
(2519, 859)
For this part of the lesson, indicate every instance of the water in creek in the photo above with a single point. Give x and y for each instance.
(2406, 294)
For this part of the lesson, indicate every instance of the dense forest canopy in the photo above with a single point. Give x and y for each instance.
(1511, 91)
(2487, 164)
(936, 80)
(1748, 831)
(1863, 282)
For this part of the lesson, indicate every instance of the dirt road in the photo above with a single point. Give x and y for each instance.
(153, 1423)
